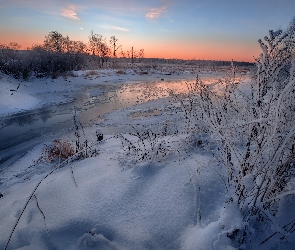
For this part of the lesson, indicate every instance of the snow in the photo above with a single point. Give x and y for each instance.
(14, 101)
(146, 207)
(174, 202)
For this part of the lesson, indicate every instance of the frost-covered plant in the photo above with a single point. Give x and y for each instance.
(81, 141)
(255, 135)
(144, 145)
(188, 102)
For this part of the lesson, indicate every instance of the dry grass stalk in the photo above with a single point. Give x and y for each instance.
(91, 73)
(59, 149)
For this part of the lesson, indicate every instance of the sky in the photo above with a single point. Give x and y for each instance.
(184, 29)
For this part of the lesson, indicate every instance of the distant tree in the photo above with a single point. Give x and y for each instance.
(37, 47)
(115, 46)
(132, 54)
(104, 52)
(97, 46)
(77, 47)
(14, 46)
(55, 42)
(93, 40)
(141, 53)
(11, 61)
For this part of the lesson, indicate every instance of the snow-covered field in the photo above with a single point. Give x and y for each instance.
(165, 194)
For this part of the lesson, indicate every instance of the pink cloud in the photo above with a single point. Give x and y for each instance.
(155, 12)
(69, 12)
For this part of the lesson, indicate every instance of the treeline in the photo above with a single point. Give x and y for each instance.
(59, 54)
(194, 62)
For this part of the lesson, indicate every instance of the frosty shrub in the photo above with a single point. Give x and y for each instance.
(82, 149)
(253, 128)
(144, 145)
(188, 103)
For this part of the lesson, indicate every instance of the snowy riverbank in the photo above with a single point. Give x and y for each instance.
(175, 198)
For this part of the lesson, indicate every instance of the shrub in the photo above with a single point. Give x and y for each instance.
(91, 73)
(58, 150)
(144, 145)
(254, 133)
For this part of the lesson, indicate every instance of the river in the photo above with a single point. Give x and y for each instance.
(21, 132)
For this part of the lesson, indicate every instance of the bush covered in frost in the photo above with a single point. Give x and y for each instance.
(254, 133)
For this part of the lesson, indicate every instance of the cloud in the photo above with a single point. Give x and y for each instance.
(69, 12)
(156, 12)
(112, 27)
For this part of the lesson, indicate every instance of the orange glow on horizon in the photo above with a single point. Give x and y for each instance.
(200, 55)
(25, 39)
(203, 51)
(179, 50)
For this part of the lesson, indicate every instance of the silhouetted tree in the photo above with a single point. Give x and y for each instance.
(97, 46)
(115, 46)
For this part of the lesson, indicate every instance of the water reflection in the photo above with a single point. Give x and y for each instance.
(144, 92)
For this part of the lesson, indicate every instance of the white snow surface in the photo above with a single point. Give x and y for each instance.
(149, 206)
(14, 101)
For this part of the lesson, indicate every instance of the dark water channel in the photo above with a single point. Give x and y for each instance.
(21, 132)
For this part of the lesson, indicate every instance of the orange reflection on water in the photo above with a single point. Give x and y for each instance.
(143, 92)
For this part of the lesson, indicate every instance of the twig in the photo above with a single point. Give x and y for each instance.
(41, 213)
(73, 177)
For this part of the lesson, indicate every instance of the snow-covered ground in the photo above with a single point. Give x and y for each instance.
(150, 206)
(175, 199)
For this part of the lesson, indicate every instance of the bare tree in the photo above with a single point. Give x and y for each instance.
(114, 45)
(141, 53)
(55, 42)
(132, 54)
(104, 52)
(98, 47)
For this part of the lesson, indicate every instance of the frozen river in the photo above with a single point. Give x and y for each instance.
(21, 132)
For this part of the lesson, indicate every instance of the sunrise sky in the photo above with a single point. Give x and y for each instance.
(185, 29)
